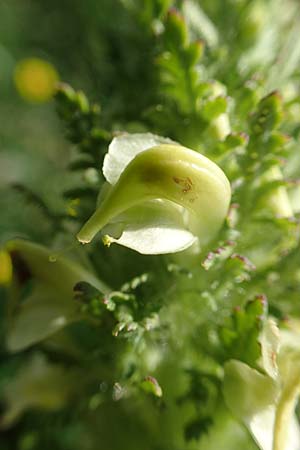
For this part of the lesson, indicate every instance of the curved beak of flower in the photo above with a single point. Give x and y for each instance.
(164, 188)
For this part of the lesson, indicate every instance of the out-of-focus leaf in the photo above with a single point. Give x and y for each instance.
(38, 385)
(50, 304)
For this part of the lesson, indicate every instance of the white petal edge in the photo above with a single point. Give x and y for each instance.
(251, 397)
(124, 148)
(156, 227)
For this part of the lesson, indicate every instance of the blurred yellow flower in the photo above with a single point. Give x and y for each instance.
(5, 268)
(35, 79)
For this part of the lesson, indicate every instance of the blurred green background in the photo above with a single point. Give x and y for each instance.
(97, 46)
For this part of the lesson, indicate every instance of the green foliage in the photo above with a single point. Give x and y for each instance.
(242, 332)
(81, 122)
